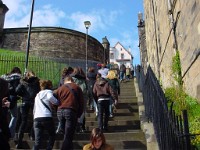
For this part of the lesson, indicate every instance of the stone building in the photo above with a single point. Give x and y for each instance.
(172, 26)
(3, 10)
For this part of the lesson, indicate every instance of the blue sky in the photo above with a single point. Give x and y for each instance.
(116, 19)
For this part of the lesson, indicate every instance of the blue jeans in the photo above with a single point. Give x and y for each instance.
(111, 106)
(121, 75)
(70, 117)
(103, 106)
(40, 125)
(13, 121)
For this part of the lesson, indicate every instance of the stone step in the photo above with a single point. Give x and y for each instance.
(120, 144)
(117, 139)
(124, 132)
(131, 135)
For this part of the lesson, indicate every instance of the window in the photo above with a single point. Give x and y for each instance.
(122, 55)
(111, 56)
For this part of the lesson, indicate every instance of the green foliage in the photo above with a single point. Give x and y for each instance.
(44, 68)
(183, 101)
(177, 96)
(194, 129)
(176, 69)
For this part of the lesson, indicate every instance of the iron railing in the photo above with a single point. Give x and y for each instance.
(45, 68)
(172, 131)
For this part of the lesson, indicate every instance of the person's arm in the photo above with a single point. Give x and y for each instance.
(95, 93)
(52, 99)
(118, 86)
(113, 94)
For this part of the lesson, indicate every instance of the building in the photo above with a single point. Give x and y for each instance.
(169, 27)
(119, 55)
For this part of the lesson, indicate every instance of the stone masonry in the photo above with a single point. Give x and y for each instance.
(53, 42)
(173, 25)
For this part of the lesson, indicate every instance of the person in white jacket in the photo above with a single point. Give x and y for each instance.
(42, 112)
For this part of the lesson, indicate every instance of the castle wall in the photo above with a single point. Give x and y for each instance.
(161, 42)
(53, 42)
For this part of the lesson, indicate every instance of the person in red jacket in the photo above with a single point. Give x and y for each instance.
(70, 109)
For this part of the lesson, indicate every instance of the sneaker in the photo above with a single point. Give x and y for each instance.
(19, 146)
(59, 131)
(111, 116)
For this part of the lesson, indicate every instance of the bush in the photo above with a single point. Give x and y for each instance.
(183, 101)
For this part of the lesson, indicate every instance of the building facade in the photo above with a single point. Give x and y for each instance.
(120, 55)
(172, 26)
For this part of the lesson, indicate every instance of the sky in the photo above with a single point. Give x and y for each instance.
(115, 19)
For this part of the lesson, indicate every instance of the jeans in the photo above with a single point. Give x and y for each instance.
(70, 117)
(39, 127)
(103, 106)
(24, 111)
(121, 75)
(13, 121)
(111, 106)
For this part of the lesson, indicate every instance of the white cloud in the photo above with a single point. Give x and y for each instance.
(47, 16)
(19, 15)
(97, 19)
(17, 8)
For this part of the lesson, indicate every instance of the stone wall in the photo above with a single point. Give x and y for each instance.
(53, 42)
(162, 40)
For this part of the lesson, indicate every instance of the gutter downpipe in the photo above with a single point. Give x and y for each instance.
(173, 25)
(155, 26)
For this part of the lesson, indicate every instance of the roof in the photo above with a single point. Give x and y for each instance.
(124, 48)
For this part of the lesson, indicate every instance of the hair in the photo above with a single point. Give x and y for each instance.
(111, 74)
(68, 78)
(79, 71)
(3, 88)
(103, 65)
(66, 71)
(91, 69)
(15, 70)
(45, 84)
(96, 134)
(29, 74)
(98, 76)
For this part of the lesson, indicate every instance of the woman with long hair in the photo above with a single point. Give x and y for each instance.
(97, 141)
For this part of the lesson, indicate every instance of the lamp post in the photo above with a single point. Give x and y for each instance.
(87, 25)
(28, 38)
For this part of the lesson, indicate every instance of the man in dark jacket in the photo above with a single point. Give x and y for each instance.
(71, 108)
(27, 89)
(102, 92)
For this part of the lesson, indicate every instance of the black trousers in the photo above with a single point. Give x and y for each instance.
(41, 125)
(70, 118)
(103, 113)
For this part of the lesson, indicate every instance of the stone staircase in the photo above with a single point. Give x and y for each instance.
(124, 130)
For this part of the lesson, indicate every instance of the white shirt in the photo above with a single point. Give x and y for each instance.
(39, 109)
(103, 72)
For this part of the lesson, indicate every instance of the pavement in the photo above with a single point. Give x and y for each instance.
(146, 126)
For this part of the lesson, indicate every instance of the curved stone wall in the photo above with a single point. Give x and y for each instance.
(53, 42)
